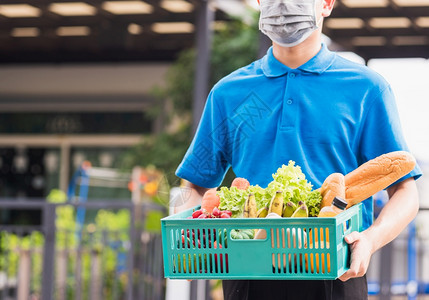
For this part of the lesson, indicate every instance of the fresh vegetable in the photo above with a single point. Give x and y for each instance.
(210, 200)
(242, 234)
(240, 183)
(313, 203)
(197, 213)
(233, 199)
(216, 213)
(289, 179)
(225, 215)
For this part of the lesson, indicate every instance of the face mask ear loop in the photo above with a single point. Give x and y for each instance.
(315, 17)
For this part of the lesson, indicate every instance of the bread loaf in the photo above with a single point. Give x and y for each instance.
(376, 175)
(333, 186)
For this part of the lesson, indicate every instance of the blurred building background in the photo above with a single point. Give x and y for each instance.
(92, 80)
(76, 76)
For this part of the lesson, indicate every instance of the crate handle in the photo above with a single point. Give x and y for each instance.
(242, 234)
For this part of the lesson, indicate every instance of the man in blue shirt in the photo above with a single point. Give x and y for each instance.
(302, 102)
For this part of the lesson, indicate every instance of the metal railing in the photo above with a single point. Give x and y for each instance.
(49, 261)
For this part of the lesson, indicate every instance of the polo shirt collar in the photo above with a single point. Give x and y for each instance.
(318, 64)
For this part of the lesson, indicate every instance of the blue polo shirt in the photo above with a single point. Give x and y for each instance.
(329, 115)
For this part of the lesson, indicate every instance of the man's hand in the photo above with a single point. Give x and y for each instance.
(360, 247)
(398, 212)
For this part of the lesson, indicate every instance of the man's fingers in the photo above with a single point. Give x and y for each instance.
(344, 277)
(354, 263)
(354, 271)
(352, 237)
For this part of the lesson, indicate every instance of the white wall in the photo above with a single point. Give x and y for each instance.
(81, 79)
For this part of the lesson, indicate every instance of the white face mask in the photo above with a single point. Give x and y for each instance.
(288, 22)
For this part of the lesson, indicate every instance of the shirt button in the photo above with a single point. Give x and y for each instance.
(289, 101)
(292, 75)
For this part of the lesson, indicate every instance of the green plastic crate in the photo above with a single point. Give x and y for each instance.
(295, 248)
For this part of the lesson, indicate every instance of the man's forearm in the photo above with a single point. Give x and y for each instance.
(192, 197)
(398, 212)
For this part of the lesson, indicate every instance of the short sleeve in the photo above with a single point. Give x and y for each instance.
(205, 163)
(381, 130)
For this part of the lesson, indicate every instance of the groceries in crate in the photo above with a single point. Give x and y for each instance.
(289, 245)
(288, 181)
(290, 194)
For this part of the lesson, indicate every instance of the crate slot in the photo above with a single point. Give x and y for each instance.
(311, 263)
(225, 263)
(179, 264)
(198, 237)
(328, 261)
(316, 238)
(185, 269)
(322, 239)
(172, 239)
(194, 262)
(189, 263)
(305, 237)
(178, 239)
(273, 262)
(287, 237)
(203, 238)
(317, 263)
(193, 238)
(222, 238)
(327, 244)
(221, 262)
(212, 237)
(283, 238)
(205, 263)
(323, 262)
(272, 238)
(293, 264)
(174, 263)
(284, 265)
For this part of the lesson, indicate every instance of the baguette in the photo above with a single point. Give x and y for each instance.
(376, 175)
(333, 186)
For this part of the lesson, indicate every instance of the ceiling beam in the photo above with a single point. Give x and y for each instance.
(387, 32)
(380, 12)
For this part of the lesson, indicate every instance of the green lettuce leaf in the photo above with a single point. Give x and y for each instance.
(289, 179)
